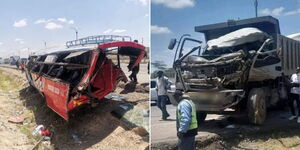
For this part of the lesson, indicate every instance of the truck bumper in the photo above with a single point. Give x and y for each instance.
(213, 101)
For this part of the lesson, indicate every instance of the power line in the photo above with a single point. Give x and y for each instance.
(255, 5)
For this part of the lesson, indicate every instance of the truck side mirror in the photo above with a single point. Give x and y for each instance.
(172, 44)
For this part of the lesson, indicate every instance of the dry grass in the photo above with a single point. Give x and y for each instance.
(7, 83)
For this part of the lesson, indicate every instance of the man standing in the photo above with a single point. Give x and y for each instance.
(134, 70)
(162, 87)
(294, 95)
(187, 127)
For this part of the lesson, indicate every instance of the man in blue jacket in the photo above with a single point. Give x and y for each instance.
(187, 127)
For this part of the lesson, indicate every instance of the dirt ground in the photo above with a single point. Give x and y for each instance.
(277, 133)
(230, 132)
(273, 140)
(88, 128)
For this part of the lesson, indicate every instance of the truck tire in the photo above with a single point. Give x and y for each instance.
(201, 115)
(256, 106)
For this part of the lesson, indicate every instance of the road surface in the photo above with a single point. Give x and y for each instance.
(162, 131)
(216, 127)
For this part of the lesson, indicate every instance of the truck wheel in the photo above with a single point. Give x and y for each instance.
(201, 115)
(257, 106)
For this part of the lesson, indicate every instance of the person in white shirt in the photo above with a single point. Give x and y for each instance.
(294, 95)
(162, 87)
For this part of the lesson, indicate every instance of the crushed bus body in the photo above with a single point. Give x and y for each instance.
(81, 75)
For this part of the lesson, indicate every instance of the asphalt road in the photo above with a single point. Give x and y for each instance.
(163, 131)
(215, 126)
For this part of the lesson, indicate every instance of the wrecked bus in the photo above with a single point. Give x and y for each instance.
(82, 74)
(241, 67)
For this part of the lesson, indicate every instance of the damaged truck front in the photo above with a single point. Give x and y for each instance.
(242, 66)
(82, 75)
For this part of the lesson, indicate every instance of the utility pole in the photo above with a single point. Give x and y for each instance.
(76, 32)
(45, 43)
(255, 5)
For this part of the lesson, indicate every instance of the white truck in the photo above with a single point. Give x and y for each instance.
(242, 66)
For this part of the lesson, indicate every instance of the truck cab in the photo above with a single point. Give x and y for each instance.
(238, 67)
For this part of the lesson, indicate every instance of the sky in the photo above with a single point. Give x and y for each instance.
(171, 19)
(26, 25)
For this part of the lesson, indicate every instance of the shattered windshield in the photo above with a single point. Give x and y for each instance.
(246, 39)
(221, 51)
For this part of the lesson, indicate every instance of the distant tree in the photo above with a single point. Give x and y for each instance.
(160, 65)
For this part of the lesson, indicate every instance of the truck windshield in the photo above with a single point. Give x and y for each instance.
(226, 50)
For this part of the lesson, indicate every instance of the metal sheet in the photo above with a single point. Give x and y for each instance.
(56, 94)
(75, 54)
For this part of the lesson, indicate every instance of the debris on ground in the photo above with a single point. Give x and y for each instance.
(76, 139)
(37, 130)
(231, 126)
(16, 119)
(132, 115)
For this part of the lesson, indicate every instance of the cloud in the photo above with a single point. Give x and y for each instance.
(40, 21)
(143, 2)
(53, 26)
(62, 19)
(114, 31)
(65, 20)
(159, 30)
(119, 30)
(20, 23)
(20, 41)
(279, 12)
(175, 4)
(294, 12)
(107, 31)
(1, 43)
(71, 22)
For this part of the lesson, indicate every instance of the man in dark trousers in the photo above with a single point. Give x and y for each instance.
(161, 88)
(294, 95)
(134, 71)
(186, 121)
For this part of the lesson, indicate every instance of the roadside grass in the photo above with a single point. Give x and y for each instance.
(7, 83)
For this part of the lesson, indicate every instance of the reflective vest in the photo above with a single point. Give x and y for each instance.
(193, 124)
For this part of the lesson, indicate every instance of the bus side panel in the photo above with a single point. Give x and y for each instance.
(38, 81)
(57, 94)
